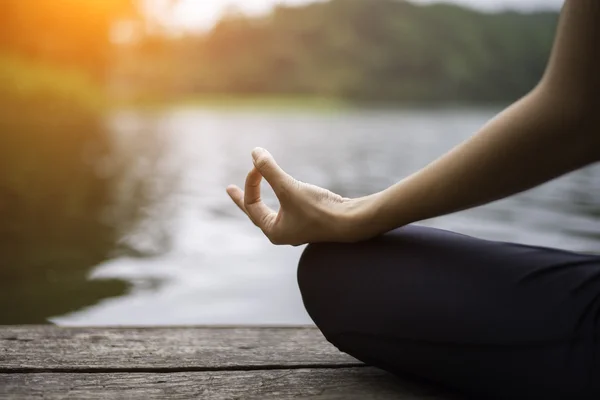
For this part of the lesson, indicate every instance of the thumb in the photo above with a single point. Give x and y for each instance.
(268, 168)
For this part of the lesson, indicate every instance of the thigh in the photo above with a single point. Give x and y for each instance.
(471, 313)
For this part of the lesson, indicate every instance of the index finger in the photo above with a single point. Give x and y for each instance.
(257, 210)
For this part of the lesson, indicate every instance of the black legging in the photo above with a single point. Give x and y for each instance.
(491, 319)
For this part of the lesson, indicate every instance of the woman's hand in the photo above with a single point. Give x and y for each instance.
(307, 214)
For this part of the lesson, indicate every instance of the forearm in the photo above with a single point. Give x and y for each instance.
(553, 130)
(530, 143)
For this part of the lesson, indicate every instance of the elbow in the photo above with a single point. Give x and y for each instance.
(583, 131)
(584, 123)
(577, 113)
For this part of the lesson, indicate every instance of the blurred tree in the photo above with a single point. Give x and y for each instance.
(54, 201)
(389, 50)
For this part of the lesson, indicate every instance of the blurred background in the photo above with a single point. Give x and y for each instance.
(122, 122)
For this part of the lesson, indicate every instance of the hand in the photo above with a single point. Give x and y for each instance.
(307, 213)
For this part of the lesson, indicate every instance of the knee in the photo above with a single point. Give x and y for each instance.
(310, 277)
(315, 280)
(331, 291)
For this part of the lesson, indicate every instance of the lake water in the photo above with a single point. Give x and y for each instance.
(209, 265)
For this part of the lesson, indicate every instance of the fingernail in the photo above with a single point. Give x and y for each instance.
(257, 152)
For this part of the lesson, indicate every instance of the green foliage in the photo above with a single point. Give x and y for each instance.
(386, 50)
(51, 198)
(39, 82)
(59, 217)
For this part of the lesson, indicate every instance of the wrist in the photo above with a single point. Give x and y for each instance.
(360, 218)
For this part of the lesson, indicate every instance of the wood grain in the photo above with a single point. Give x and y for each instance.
(49, 348)
(315, 384)
(180, 363)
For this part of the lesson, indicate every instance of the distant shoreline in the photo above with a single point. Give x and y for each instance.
(286, 103)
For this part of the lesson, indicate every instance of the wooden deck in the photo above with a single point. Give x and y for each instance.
(179, 363)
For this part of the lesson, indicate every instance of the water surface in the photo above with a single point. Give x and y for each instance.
(206, 264)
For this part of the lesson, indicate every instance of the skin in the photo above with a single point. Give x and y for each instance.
(553, 130)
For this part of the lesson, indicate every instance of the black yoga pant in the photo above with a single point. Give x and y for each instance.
(491, 319)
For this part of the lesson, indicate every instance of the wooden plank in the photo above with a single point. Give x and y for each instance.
(317, 384)
(49, 348)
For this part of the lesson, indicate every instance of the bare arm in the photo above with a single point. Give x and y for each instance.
(553, 130)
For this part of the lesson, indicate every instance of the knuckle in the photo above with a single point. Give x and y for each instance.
(264, 220)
